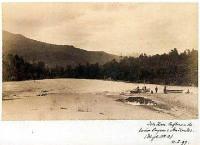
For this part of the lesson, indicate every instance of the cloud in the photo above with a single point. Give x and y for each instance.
(112, 27)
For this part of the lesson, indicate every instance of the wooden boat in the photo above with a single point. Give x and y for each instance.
(174, 91)
(145, 91)
(136, 91)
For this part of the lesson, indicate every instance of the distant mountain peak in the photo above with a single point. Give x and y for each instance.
(60, 55)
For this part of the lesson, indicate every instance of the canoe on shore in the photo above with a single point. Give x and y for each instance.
(174, 91)
(140, 91)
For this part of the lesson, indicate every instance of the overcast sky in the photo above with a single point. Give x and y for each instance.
(115, 28)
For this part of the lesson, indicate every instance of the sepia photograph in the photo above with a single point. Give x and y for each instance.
(99, 61)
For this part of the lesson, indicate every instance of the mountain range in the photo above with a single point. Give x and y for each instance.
(52, 55)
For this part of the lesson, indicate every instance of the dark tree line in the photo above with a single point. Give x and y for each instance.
(16, 69)
(172, 68)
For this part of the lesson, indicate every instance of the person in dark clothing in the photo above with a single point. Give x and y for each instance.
(156, 89)
(188, 91)
(165, 89)
(138, 89)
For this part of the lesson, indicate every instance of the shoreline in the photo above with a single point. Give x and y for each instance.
(173, 85)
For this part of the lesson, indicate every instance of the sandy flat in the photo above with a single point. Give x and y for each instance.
(63, 99)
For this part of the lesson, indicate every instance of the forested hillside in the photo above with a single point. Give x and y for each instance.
(172, 68)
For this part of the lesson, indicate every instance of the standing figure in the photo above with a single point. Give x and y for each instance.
(138, 89)
(165, 90)
(188, 91)
(156, 89)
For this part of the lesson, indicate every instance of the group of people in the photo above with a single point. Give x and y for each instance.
(144, 89)
(151, 91)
